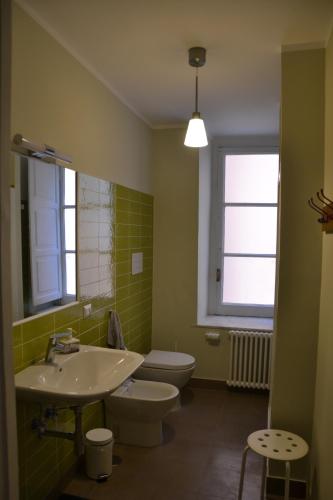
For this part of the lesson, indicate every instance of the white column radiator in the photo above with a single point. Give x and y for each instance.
(250, 354)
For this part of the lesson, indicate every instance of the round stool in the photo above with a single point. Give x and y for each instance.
(275, 444)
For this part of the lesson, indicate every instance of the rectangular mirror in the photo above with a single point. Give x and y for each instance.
(43, 236)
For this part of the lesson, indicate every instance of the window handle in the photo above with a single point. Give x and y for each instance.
(218, 275)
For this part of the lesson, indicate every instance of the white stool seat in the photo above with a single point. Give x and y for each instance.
(278, 444)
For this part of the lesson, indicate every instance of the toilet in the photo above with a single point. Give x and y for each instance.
(135, 410)
(173, 368)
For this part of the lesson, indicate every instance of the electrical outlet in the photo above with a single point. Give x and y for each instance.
(87, 310)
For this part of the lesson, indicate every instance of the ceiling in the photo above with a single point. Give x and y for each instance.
(138, 48)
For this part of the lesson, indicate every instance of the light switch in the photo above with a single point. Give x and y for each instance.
(87, 310)
(137, 263)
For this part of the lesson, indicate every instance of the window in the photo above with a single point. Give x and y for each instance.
(244, 232)
(69, 232)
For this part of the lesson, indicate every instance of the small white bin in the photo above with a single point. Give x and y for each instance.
(99, 445)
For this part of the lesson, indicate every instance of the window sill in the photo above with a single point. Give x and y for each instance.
(243, 322)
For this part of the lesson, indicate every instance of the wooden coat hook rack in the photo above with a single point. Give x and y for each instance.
(325, 209)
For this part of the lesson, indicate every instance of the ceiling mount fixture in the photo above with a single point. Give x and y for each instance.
(196, 136)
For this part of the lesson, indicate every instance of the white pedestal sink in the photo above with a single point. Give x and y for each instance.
(78, 378)
(75, 380)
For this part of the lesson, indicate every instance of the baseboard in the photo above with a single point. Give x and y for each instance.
(206, 383)
(275, 486)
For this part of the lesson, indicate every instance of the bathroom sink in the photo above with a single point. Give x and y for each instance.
(78, 378)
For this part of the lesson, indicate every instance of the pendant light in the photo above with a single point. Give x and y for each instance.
(196, 136)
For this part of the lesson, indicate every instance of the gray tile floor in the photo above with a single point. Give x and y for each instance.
(200, 458)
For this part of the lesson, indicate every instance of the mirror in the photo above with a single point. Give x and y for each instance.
(43, 236)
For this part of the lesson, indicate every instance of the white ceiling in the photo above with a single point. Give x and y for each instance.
(138, 48)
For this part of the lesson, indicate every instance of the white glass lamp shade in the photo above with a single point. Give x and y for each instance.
(196, 136)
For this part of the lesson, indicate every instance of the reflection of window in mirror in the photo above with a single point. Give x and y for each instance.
(69, 229)
(43, 237)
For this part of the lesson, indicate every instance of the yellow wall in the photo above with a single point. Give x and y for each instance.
(58, 102)
(302, 122)
(323, 416)
(176, 256)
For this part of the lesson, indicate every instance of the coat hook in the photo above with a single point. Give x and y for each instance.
(321, 198)
(317, 209)
(325, 197)
(325, 209)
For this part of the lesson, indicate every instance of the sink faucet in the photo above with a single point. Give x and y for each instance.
(53, 346)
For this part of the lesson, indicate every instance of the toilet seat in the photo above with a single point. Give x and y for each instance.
(168, 360)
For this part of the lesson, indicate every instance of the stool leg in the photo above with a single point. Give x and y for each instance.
(241, 480)
(263, 479)
(286, 486)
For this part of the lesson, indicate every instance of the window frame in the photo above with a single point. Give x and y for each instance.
(218, 205)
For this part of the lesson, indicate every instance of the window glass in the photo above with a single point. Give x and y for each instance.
(248, 280)
(69, 187)
(251, 178)
(70, 274)
(250, 230)
(69, 215)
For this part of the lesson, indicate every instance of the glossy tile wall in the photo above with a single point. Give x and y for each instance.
(133, 292)
(95, 241)
(113, 223)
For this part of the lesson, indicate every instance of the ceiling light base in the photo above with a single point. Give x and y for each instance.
(197, 56)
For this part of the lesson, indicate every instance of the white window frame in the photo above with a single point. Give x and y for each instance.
(217, 234)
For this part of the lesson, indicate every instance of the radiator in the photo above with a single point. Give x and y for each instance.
(249, 359)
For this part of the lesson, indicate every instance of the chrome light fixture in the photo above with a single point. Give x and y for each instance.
(196, 136)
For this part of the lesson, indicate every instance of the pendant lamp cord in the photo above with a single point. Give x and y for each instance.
(196, 90)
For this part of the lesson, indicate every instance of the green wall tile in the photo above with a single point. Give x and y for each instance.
(66, 462)
(123, 204)
(121, 192)
(135, 218)
(122, 255)
(35, 349)
(75, 325)
(89, 337)
(17, 358)
(37, 327)
(121, 230)
(122, 217)
(91, 321)
(123, 293)
(121, 281)
(135, 207)
(51, 458)
(146, 198)
(123, 243)
(67, 315)
(40, 455)
(17, 335)
(122, 268)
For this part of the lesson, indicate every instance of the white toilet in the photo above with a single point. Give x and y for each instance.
(173, 368)
(135, 411)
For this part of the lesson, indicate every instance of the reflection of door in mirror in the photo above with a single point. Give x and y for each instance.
(43, 238)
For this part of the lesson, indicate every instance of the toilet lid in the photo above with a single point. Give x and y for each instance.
(168, 360)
